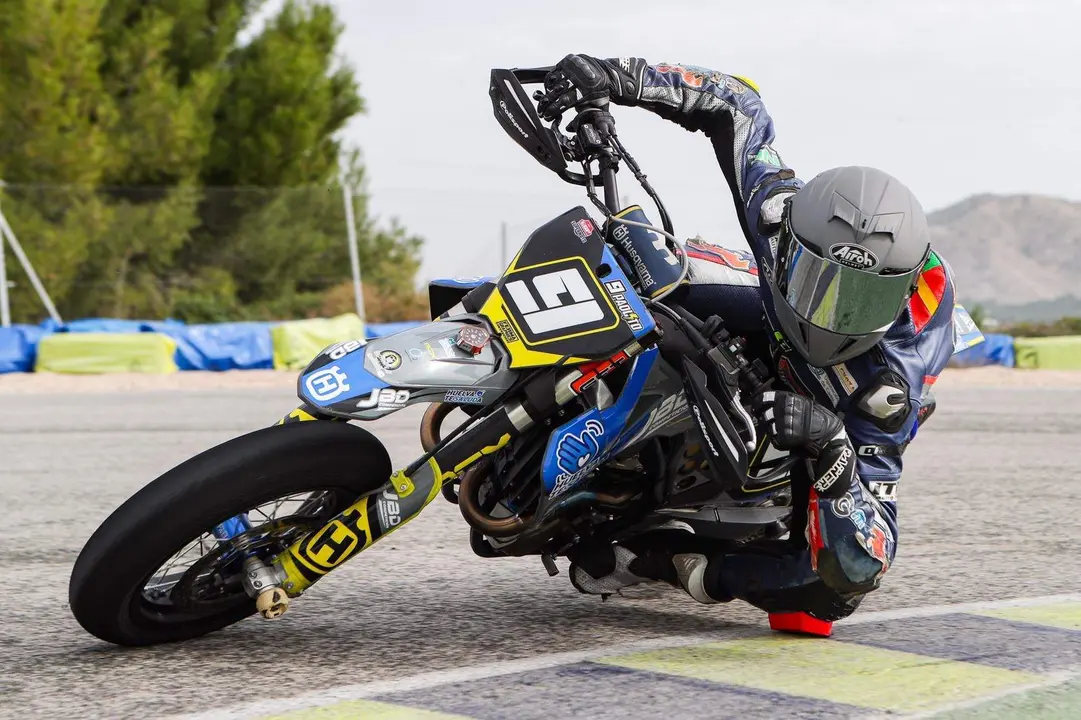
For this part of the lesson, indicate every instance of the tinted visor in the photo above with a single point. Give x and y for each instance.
(835, 297)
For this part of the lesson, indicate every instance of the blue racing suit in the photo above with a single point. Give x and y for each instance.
(849, 542)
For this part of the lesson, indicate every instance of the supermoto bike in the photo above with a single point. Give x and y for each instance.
(579, 427)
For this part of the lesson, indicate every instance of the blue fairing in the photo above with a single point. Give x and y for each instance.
(634, 311)
(339, 380)
(462, 282)
(578, 446)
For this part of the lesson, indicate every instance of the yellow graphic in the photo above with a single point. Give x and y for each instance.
(298, 415)
(350, 532)
(748, 82)
(522, 352)
(488, 450)
(336, 541)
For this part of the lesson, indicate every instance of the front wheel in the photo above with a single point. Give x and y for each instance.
(154, 571)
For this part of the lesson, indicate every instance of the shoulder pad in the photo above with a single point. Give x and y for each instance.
(885, 401)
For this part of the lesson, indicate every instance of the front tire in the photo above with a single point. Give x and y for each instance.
(107, 591)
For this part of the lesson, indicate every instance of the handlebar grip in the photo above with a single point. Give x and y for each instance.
(529, 76)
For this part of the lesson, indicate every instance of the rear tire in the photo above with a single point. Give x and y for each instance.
(106, 588)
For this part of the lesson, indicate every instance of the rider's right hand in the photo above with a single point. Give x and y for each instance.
(581, 79)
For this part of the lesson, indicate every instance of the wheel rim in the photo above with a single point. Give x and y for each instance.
(205, 576)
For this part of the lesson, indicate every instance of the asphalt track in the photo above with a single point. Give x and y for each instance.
(419, 627)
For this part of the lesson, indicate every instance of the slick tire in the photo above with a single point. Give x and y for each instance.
(106, 585)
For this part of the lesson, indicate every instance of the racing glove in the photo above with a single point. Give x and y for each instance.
(578, 79)
(799, 423)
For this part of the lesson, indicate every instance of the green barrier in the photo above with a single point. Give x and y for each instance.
(86, 353)
(297, 343)
(1048, 353)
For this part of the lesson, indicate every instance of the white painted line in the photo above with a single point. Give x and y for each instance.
(435, 678)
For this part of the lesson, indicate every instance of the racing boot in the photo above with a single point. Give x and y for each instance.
(673, 556)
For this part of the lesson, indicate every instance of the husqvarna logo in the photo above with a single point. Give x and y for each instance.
(327, 384)
(854, 256)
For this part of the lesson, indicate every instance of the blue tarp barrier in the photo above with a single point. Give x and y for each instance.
(996, 349)
(108, 325)
(18, 347)
(222, 346)
(212, 346)
(378, 330)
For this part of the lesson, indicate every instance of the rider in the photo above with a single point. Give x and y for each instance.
(855, 310)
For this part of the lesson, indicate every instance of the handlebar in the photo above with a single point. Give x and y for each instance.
(517, 115)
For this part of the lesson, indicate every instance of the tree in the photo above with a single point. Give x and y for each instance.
(156, 165)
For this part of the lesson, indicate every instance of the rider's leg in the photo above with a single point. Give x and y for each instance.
(846, 549)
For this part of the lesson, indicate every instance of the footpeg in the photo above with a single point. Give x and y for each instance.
(272, 603)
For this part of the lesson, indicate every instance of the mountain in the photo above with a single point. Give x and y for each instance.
(1013, 250)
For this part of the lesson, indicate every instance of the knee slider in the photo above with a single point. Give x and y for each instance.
(847, 568)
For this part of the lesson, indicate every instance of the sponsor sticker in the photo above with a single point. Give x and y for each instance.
(582, 228)
(843, 505)
(506, 330)
(848, 381)
(788, 374)
(690, 77)
(574, 454)
(828, 478)
(824, 381)
(884, 491)
(384, 399)
(340, 350)
(389, 360)
(618, 292)
(327, 384)
(388, 510)
(734, 85)
(768, 156)
(854, 256)
(464, 397)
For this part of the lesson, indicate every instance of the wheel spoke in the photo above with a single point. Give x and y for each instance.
(206, 569)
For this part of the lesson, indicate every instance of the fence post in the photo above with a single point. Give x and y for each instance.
(16, 248)
(354, 253)
(5, 309)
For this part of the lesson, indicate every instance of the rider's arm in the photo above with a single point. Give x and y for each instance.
(729, 110)
(882, 391)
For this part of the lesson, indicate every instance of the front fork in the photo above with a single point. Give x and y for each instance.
(410, 490)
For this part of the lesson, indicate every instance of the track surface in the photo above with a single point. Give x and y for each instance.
(988, 510)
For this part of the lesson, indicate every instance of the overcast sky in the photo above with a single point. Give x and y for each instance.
(954, 97)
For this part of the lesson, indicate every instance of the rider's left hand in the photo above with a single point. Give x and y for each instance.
(796, 422)
(799, 423)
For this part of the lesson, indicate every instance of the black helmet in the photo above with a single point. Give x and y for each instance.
(853, 241)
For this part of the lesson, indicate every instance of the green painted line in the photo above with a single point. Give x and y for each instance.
(839, 672)
(367, 709)
(1062, 702)
(1061, 615)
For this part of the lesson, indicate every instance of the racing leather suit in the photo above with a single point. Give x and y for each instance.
(851, 541)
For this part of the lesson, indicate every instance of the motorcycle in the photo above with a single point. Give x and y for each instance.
(582, 426)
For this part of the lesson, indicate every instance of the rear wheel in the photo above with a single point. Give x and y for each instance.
(154, 571)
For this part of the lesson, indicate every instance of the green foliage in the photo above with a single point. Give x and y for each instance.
(285, 100)
(155, 166)
(978, 315)
(1062, 326)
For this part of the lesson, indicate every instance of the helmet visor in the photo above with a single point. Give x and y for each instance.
(834, 297)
